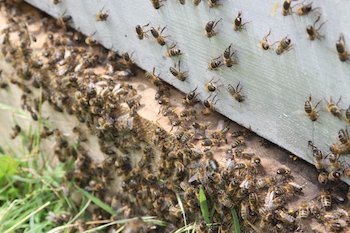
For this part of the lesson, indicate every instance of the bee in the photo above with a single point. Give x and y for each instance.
(334, 176)
(63, 20)
(237, 25)
(286, 8)
(255, 161)
(182, 2)
(323, 177)
(253, 201)
(180, 75)
(334, 161)
(158, 35)
(228, 60)
(196, 2)
(173, 52)
(264, 44)
(209, 28)
(153, 77)
(101, 15)
(215, 63)
(311, 112)
(240, 141)
(340, 46)
(343, 136)
(140, 31)
(210, 86)
(347, 114)
(313, 33)
(334, 107)
(56, 2)
(283, 45)
(265, 182)
(209, 105)
(213, 3)
(15, 131)
(284, 217)
(156, 4)
(190, 97)
(303, 210)
(283, 170)
(326, 200)
(236, 93)
(89, 40)
(305, 9)
(337, 225)
(126, 59)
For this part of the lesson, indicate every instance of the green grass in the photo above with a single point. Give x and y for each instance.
(235, 218)
(203, 203)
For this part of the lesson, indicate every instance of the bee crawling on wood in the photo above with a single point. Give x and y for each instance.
(63, 20)
(213, 3)
(177, 73)
(347, 114)
(156, 4)
(196, 2)
(209, 28)
(287, 8)
(340, 46)
(305, 9)
(190, 97)
(229, 60)
(334, 108)
(313, 32)
(140, 31)
(236, 93)
(283, 45)
(264, 44)
(311, 112)
(102, 15)
(172, 51)
(343, 147)
(182, 2)
(215, 63)
(209, 105)
(158, 35)
(238, 25)
(210, 86)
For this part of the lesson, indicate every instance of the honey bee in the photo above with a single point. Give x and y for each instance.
(190, 97)
(180, 75)
(334, 176)
(89, 40)
(210, 86)
(215, 63)
(311, 112)
(326, 200)
(63, 20)
(337, 225)
(15, 131)
(322, 177)
(101, 15)
(334, 107)
(209, 105)
(303, 210)
(340, 45)
(126, 59)
(265, 182)
(156, 4)
(283, 170)
(209, 28)
(283, 45)
(284, 217)
(196, 2)
(140, 31)
(228, 60)
(287, 9)
(237, 25)
(213, 3)
(305, 9)
(173, 52)
(313, 33)
(344, 146)
(236, 93)
(264, 44)
(153, 77)
(253, 201)
(347, 114)
(158, 35)
(182, 2)
(56, 2)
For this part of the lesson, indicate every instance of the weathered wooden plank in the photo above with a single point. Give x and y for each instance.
(276, 86)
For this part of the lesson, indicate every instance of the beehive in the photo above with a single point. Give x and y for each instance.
(276, 86)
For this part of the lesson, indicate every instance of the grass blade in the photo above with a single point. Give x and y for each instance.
(98, 202)
(182, 208)
(236, 227)
(203, 203)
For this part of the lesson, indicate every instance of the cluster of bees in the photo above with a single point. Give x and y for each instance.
(64, 71)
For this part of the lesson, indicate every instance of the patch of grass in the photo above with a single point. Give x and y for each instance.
(182, 208)
(203, 203)
(235, 218)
